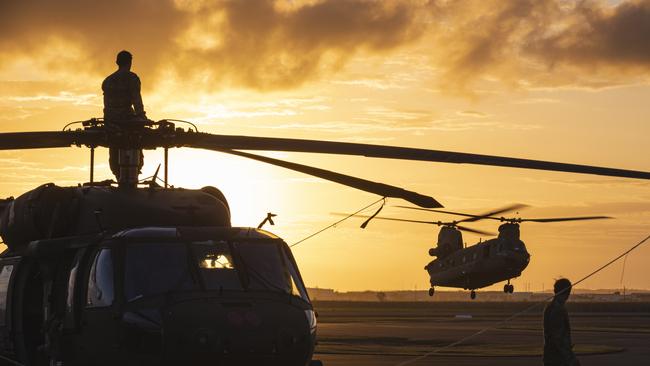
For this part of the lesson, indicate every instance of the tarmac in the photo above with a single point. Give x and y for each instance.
(395, 334)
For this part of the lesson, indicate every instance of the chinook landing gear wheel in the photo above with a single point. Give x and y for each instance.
(432, 291)
(472, 295)
(508, 288)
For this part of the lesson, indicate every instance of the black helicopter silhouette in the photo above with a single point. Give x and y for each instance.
(133, 273)
(482, 264)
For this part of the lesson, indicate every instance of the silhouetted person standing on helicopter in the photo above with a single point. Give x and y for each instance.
(558, 348)
(122, 101)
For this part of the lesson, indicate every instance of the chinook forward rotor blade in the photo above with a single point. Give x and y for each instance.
(39, 140)
(507, 209)
(210, 141)
(495, 212)
(472, 218)
(381, 189)
(475, 231)
(438, 223)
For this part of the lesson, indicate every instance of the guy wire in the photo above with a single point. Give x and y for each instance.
(338, 222)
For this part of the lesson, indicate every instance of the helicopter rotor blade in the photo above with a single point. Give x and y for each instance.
(439, 211)
(491, 214)
(389, 219)
(475, 231)
(35, 140)
(438, 223)
(381, 189)
(481, 217)
(470, 217)
(212, 141)
(562, 219)
(38, 140)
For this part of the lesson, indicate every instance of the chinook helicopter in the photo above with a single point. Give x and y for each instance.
(135, 273)
(485, 263)
(488, 262)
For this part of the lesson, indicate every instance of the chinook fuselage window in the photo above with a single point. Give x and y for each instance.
(100, 281)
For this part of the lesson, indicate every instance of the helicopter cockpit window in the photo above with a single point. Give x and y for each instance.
(264, 266)
(153, 269)
(72, 280)
(297, 286)
(216, 266)
(100, 281)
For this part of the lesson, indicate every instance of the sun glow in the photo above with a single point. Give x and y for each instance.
(251, 188)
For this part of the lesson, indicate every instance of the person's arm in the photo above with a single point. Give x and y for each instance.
(136, 98)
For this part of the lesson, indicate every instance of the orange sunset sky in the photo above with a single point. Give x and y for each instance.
(557, 80)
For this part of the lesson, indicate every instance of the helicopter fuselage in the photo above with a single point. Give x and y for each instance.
(480, 265)
(103, 276)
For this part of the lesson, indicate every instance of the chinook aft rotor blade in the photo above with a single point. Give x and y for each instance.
(210, 141)
(438, 223)
(39, 140)
(381, 189)
(561, 219)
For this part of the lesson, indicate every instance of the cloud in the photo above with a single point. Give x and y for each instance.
(475, 114)
(259, 44)
(530, 43)
(266, 44)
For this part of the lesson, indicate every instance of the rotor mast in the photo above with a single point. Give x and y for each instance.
(129, 165)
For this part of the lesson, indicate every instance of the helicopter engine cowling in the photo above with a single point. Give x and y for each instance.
(450, 240)
(50, 211)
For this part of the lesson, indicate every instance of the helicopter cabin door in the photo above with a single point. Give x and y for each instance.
(98, 337)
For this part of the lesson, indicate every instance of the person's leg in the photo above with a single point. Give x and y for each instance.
(113, 160)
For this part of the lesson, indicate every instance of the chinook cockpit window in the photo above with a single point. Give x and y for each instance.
(100, 281)
(154, 269)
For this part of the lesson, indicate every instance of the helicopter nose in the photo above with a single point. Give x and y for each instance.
(205, 330)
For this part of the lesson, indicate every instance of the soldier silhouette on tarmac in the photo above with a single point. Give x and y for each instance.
(122, 101)
(558, 348)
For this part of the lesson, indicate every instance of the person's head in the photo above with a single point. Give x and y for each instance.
(124, 59)
(562, 289)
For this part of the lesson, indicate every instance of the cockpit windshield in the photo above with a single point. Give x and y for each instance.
(153, 269)
(216, 266)
(265, 267)
(256, 265)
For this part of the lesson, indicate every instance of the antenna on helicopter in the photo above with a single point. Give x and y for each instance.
(269, 218)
